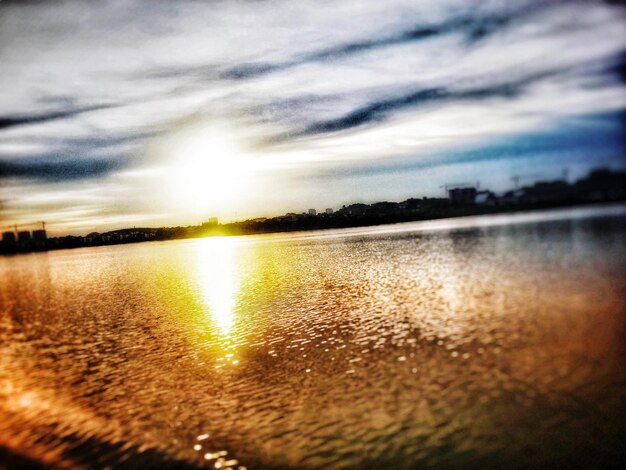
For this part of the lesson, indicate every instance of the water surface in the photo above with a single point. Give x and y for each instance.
(466, 342)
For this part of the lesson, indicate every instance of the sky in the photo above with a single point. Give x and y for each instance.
(121, 113)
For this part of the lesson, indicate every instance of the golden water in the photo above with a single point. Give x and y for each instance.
(464, 342)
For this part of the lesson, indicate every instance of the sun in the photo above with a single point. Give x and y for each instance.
(210, 171)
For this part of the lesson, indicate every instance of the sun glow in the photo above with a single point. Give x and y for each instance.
(210, 170)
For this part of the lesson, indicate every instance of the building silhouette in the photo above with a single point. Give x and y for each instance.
(8, 238)
(462, 195)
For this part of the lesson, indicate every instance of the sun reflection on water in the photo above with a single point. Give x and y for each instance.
(219, 287)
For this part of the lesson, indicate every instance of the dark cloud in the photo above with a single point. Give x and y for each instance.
(254, 70)
(72, 158)
(617, 67)
(379, 110)
(90, 142)
(57, 169)
(472, 27)
(27, 119)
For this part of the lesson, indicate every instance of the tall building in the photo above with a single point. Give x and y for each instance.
(8, 238)
(312, 212)
(329, 211)
(462, 195)
(24, 240)
(39, 235)
(39, 238)
(23, 236)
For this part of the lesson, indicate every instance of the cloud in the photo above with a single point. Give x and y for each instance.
(68, 159)
(473, 28)
(379, 110)
(598, 138)
(617, 66)
(97, 91)
(8, 121)
(58, 168)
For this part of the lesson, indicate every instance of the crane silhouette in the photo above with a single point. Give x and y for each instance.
(448, 186)
(15, 227)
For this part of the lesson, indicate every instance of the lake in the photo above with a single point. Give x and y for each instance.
(471, 342)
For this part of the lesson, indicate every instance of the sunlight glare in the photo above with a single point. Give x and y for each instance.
(210, 170)
(218, 281)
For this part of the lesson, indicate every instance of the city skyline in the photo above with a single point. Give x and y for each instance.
(600, 187)
(121, 115)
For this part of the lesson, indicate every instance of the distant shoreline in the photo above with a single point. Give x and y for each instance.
(582, 211)
(345, 231)
(600, 186)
